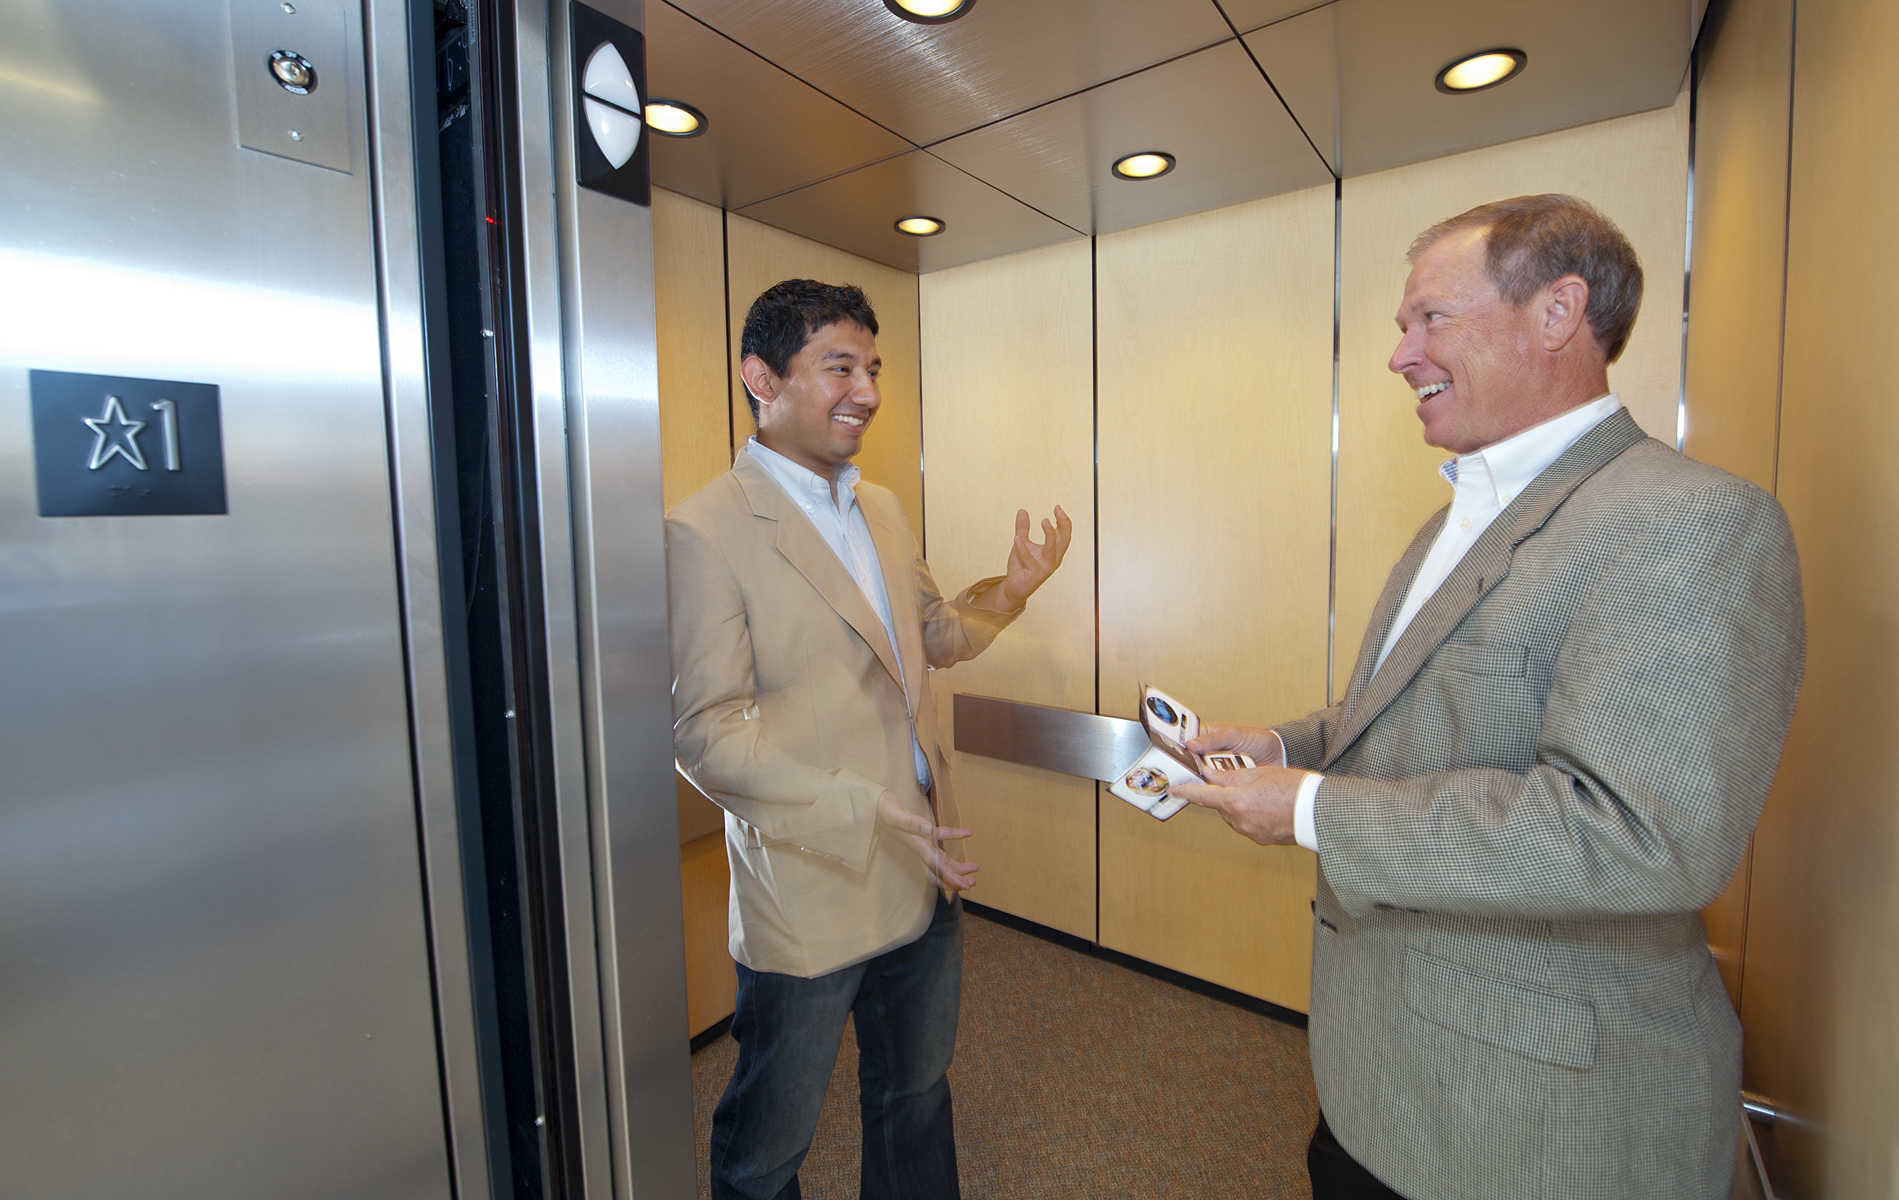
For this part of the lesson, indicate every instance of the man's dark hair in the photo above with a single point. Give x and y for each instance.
(782, 320)
(1533, 241)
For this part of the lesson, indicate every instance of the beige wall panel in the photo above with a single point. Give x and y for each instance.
(1215, 342)
(711, 983)
(1821, 1002)
(759, 256)
(1633, 168)
(1008, 419)
(1740, 238)
(695, 427)
(1733, 376)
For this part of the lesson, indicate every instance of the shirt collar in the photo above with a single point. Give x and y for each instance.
(1499, 473)
(799, 480)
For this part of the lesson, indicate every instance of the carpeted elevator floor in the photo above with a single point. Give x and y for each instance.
(1076, 1077)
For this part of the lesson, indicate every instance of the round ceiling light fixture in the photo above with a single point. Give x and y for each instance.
(930, 12)
(921, 226)
(1485, 69)
(1148, 164)
(674, 118)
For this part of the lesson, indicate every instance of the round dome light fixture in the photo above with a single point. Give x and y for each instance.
(1148, 164)
(930, 12)
(921, 226)
(1485, 69)
(674, 118)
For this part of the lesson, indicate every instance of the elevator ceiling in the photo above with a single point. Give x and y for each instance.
(833, 119)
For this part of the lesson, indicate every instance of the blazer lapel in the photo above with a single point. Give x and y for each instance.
(890, 533)
(1483, 566)
(801, 546)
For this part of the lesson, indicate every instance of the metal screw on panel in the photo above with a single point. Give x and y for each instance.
(293, 72)
(508, 716)
(295, 136)
(290, 8)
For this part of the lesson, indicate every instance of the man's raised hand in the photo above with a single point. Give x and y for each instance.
(1031, 563)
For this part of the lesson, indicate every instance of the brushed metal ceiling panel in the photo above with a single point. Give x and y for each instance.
(766, 132)
(929, 82)
(1586, 63)
(857, 212)
(1231, 137)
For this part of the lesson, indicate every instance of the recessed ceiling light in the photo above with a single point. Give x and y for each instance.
(1148, 164)
(920, 226)
(929, 12)
(674, 118)
(1479, 71)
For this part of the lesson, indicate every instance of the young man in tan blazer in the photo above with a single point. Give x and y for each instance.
(804, 624)
(1561, 728)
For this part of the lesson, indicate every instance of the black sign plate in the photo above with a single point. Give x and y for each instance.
(611, 152)
(112, 446)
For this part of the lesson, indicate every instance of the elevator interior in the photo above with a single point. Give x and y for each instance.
(333, 856)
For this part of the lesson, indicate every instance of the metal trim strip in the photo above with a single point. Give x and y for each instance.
(1054, 739)
(394, 187)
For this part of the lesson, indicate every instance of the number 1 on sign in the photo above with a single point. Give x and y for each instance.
(168, 422)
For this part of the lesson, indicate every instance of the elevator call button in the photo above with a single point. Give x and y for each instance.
(114, 446)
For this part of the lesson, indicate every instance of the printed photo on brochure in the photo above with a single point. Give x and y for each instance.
(1169, 725)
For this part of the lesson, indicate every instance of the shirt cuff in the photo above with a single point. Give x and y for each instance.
(1304, 831)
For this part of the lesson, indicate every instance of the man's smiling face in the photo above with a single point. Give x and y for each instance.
(822, 405)
(1465, 350)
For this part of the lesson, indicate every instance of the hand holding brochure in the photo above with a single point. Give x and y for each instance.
(1170, 725)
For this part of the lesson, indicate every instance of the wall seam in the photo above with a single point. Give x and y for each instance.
(725, 278)
(1332, 532)
(1780, 401)
(1094, 474)
(1687, 253)
(923, 488)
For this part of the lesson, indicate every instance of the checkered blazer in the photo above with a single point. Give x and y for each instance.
(1524, 810)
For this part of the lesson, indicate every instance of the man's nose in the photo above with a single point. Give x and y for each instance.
(1405, 356)
(867, 393)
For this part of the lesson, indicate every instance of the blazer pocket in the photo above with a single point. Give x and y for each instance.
(1549, 1028)
(1475, 658)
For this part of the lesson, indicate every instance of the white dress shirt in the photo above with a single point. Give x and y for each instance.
(842, 526)
(1483, 483)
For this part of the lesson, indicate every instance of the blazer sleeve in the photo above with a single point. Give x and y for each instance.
(719, 742)
(1668, 704)
(954, 630)
(1306, 739)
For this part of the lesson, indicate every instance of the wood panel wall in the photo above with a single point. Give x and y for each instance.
(1007, 424)
(1215, 337)
(1821, 985)
(1734, 330)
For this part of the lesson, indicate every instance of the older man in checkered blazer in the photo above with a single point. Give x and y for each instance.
(1560, 731)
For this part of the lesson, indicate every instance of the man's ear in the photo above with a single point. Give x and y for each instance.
(1565, 302)
(758, 379)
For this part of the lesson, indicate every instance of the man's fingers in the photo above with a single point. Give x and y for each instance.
(946, 834)
(1204, 794)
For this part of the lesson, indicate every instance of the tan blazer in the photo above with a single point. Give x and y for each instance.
(1524, 810)
(788, 714)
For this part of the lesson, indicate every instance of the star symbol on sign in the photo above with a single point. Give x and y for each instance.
(117, 434)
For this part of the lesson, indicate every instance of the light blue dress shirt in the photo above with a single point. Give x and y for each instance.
(844, 530)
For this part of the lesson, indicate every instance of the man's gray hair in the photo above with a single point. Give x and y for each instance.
(1532, 241)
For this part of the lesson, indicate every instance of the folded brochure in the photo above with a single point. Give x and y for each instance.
(1170, 725)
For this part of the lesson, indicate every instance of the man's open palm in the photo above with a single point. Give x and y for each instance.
(1031, 563)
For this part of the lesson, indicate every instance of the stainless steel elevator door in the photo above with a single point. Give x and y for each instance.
(214, 972)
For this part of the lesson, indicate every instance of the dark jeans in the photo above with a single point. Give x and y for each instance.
(1336, 1175)
(788, 1030)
